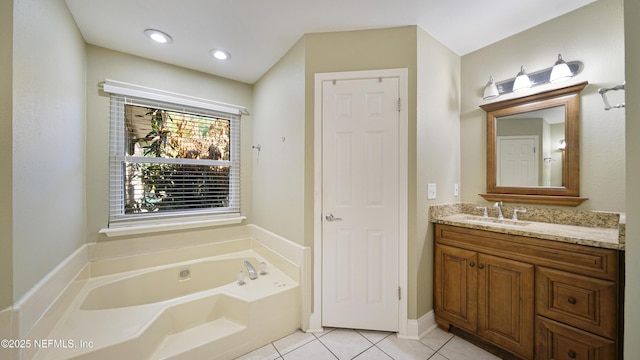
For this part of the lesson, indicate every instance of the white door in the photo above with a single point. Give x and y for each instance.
(360, 206)
(518, 161)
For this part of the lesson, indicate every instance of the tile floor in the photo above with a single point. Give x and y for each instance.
(368, 345)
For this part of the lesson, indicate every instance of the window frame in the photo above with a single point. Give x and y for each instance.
(122, 94)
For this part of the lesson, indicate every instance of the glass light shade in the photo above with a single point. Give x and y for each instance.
(522, 81)
(563, 144)
(560, 71)
(490, 90)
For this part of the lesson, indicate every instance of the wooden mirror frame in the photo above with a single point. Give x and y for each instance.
(569, 193)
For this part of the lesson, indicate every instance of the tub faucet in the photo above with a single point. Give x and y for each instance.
(498, 205)
(251, 270)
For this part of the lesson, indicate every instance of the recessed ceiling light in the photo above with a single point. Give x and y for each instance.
(220, 54)
(158, 36)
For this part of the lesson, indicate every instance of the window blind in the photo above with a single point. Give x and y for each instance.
(171, 160)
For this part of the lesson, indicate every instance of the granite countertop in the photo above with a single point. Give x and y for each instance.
(591, 228)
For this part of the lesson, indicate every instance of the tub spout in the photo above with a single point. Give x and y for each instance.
(251, 270)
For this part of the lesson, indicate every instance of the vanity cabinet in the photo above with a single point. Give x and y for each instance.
(535, 299)
(487, 295)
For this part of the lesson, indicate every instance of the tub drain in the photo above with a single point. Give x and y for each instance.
(184, 273)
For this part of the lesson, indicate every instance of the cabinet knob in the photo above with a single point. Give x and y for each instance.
(571, 354)
(472, 264)
(480, 266)
(572, 300)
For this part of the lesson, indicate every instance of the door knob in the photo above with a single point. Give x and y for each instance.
(330, 217)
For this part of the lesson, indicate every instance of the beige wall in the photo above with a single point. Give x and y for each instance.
(107, 64)
(632, 51)
(278, 126)
(48, 140)
(6, 148)
(436, 158)
(594, 35)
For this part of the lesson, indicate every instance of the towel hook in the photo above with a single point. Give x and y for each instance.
(257, 147)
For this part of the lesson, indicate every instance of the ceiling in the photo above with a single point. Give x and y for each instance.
(258, 33)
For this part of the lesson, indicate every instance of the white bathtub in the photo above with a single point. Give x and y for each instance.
(167, 283)
(162, 312)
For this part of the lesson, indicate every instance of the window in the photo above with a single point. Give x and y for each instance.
(171, 160)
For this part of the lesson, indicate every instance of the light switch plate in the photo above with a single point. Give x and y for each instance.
(456, 190)
(431, 191)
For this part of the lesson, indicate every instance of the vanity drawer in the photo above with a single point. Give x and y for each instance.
(580, 301)
(561, 342)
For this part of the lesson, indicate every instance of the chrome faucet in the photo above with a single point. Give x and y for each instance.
(498, 205)
(515, 213)
(251, 270)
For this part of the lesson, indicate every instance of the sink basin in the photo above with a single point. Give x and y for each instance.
(495, 221)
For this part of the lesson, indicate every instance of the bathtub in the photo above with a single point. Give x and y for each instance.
(186, 310)
(167, 283)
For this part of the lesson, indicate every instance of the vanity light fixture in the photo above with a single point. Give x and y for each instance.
(560, 71)
(158, 36)
(220, 54)
(490, 90)
(522, 81)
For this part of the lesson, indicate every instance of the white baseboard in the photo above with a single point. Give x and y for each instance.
(416, 329)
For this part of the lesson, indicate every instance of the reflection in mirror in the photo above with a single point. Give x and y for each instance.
(533, 148)
(530, 148)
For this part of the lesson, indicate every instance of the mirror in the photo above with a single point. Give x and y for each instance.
(533, 148)
(530, 148)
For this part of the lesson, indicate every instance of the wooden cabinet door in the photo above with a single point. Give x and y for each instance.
(456, 287)
(506, 303)
(557, 341)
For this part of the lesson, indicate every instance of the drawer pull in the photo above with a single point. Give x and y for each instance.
(480, 266)
(572, 301)
(571, 354)
(472, 264)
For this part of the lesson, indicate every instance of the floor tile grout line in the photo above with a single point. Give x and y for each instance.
(366, 338)
(326, 347)
(374, 343)
(384, 352)
(360, 353)
(364, 351)
(318, 338)
(440, 348)
(275, 347)
(294, 349)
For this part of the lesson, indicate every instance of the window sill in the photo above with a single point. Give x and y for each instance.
(148, 228)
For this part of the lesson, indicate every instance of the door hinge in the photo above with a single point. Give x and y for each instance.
(399, 293)
(398, 104)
